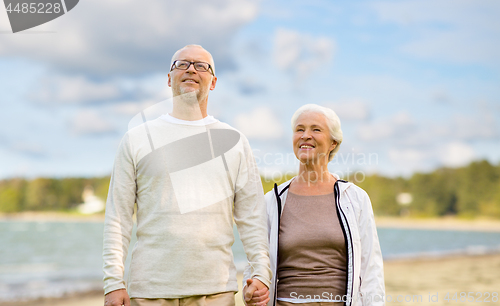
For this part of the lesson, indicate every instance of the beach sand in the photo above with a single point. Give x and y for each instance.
(434, 278)
(416, 280)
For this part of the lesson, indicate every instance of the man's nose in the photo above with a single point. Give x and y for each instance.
(191, 68)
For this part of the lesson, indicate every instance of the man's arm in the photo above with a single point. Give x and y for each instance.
(118, 220)
(251, 217)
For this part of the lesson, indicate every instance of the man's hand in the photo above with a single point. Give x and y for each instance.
(117, 298)
(255, 293)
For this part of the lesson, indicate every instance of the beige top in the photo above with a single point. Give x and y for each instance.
(312, 253)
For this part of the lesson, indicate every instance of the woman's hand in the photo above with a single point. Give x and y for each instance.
(255, 293)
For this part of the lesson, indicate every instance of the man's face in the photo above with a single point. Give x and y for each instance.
(184, 81)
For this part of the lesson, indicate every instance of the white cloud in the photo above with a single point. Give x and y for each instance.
(425, 158)
(481, 126)
(300, 53)
(385, 88)
(462, 31)
(249, 85)
(441, 96)
(79, 89)
(89, 122)
(455, 154)
(129, 37)
(474, 126)
(399, 125)
(350, 109)
(409, 158)
(30, 149)
(402, 119)
(259, 124)
(73, 89)
(132, 108)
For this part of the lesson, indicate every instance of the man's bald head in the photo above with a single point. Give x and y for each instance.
(176, 55)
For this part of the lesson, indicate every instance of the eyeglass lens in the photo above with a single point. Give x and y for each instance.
(198, 66)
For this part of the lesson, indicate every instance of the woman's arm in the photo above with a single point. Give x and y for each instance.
(372, 270)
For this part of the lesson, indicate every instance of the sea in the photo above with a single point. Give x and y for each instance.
(54, 259)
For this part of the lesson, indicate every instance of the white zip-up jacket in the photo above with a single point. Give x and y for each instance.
(365, 272)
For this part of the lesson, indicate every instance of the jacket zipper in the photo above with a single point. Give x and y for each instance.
(349, 247)
(278, 202)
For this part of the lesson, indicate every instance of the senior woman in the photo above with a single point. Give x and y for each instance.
(323, 243)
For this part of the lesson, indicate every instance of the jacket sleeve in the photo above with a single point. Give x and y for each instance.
(372, 269)
(118, 221)
(251, 218)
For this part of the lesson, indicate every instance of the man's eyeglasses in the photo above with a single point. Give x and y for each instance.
(198, 66)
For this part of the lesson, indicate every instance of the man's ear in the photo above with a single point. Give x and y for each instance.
(214, 81)
(169, 82)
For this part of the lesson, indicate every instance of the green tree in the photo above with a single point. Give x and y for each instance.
(10, 199)
(69, 192)
(478, 186)
(382, 192)
(40, 194)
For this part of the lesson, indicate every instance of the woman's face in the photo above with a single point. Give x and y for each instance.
(311, 138)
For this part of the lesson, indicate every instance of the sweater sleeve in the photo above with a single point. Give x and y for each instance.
(251, 217)
(118, 218)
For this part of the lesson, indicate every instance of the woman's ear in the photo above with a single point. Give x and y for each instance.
(333, 145)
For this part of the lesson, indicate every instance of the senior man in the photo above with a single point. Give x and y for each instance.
(190, 176)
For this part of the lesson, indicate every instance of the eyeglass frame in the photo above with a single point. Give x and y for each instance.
(192, 63)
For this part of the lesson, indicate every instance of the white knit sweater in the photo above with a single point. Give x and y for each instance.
(188, 181)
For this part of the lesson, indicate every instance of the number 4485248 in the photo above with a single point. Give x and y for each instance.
(480, 297)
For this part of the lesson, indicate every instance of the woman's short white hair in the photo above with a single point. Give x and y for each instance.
(332, 120)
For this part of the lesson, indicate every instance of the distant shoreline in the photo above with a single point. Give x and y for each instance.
(446, 223)
(49, 216)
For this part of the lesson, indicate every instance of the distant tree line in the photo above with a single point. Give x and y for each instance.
(469, 191)
(48, 194)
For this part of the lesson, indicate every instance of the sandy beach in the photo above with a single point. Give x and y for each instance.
(433, 279)
(408, 282)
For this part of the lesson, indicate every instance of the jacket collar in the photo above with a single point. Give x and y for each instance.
(343, 185)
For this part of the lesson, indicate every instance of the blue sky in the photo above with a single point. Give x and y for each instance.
(415, 83)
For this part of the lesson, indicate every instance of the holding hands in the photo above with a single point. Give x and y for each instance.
(255, 293)
(117, 298)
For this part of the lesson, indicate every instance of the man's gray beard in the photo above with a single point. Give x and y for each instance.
(189, 97)
(192, 96)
